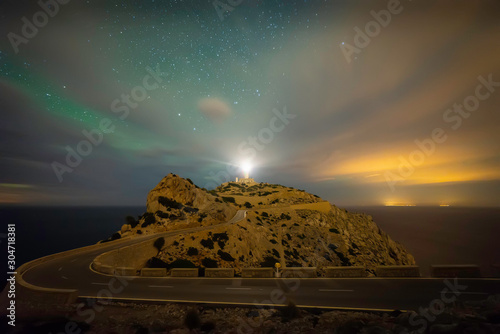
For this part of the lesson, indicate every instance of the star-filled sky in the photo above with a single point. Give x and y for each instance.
(360, 102)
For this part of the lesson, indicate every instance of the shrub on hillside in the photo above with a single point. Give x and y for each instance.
(207, 243)
(181, 263)
(131, 221)
(221, 236)
(345, 261)
(192, 251)
(248, 205)
(162, 214)
(155, 262)
(269, 261)
(189, 209)
(169, 203)
(225, 256)
(149, 219)
(159, 243)
(285, 216)
(209, 263)
(228, 199)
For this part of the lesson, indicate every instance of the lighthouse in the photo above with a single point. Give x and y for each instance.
(246, 168)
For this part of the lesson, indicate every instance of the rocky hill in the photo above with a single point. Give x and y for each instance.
(282, 225)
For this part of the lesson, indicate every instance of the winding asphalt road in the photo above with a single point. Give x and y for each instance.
(74, 272)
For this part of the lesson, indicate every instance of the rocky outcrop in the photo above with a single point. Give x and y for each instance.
(176, 203)
(180, 190)
(279, 227)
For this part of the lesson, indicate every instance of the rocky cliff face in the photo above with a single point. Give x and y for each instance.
(177, 203)
(282, 225)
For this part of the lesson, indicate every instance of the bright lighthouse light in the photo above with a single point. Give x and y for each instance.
(246, 167)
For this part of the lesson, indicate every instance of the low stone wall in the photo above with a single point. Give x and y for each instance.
(456, 270)
(397, 271)
(153, 272)
(299, 272)
(125, 271)
(219, 272)
(339, 272)
(184, 272)
(257, 272)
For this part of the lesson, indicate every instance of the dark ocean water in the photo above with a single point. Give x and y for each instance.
(434, 235)
(442, 235)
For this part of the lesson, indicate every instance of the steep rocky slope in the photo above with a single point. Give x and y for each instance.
(282, 224)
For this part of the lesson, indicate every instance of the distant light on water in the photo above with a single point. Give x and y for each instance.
(397, 204)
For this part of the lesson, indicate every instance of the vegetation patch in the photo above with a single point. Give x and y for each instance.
(345, 261)
(162, 214)
(159, 243)
(189, 209)
(192, 251)
(149, 219)
(285, 216)
(220, 236)
(225, 256)
(169, 203)
(209, 263)
(207, 243)
(181, 263)
(269, 261)
(333, 247)
(155, 262)
(131, 221)
(228, 199)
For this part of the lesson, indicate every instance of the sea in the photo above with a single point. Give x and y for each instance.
(433, 235)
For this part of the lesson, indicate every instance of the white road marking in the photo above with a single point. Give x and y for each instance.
(73, 260)
(160, 286)
(239, 288)
(64, 277)
(100, 283)
(60, 268)
(333, 290)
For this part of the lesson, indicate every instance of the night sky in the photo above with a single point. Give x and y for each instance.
(404, 113)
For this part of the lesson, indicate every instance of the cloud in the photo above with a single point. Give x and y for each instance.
(214, 109)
